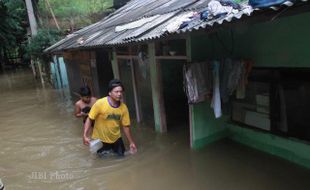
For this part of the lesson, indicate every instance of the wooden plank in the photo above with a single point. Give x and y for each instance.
(178, 57)
(126, 56)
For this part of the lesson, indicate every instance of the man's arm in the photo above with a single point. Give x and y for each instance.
(77, 111)
(132, 145)
(87, 130)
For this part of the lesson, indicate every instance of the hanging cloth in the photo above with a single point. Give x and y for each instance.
(197, 81)
(216, 99)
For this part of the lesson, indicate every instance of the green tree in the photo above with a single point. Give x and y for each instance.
(38, 43)
(43, 39)
(12, 27)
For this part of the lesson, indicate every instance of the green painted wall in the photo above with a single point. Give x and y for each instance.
(206, 128)
(286, 44)
(282, 42)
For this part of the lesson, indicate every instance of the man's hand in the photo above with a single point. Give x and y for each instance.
(84, 114)
(86, 140)
(87, 126)
(133, 148)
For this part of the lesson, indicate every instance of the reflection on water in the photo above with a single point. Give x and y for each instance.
(41, 148)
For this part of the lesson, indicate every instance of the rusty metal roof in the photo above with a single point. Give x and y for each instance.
(141, 20)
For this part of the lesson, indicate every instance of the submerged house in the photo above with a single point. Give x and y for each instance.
(241, 72)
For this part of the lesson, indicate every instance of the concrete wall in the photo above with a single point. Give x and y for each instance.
(283, 42)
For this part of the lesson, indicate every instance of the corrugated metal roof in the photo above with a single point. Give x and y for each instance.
(246, 11)
(141, 13)
(103, 32)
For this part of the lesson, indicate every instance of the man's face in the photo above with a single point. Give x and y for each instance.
(86, 99)
(117, 93)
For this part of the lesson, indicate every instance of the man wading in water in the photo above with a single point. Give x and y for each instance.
(110, 115)
(82, 107)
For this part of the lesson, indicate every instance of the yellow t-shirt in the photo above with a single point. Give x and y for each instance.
(108, 120)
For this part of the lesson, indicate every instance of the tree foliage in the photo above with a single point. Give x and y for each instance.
(71, 14)
(12, 19)
(43, 39)
(13, 32)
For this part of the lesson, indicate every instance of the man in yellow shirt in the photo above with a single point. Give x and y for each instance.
(110, 115)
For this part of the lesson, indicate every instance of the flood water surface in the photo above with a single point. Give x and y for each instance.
(41, 148)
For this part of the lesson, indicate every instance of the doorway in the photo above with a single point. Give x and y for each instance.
(176, 105)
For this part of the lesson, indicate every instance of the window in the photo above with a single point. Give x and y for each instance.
(277, 100)
(254, 110)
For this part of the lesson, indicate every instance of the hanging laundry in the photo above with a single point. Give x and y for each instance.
(241, 88)
(231, 71)
(216, 9)
(197, 81)
(247, 9)
(216, 98)
(204, 15)
(230, 3)
(266, 3)
(235, 76)
(193, 21)
(176, 22)
(225, 70)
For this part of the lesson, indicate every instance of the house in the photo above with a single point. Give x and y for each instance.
(148, 44)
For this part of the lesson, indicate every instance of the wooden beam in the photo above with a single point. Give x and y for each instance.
(52, 13)
(126, 57)
(178, 57)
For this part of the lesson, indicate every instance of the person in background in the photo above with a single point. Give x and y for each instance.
(83, 106)
(110, 115)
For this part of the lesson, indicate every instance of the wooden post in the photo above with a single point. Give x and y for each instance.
(40, 71)
(52, 13)
(33, 68)
(32, 19)
(135, 92)
(33, 29)
(157, 92)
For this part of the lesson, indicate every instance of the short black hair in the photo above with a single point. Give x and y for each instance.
(115, 83)
(85, 91)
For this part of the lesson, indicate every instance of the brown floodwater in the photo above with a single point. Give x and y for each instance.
(41, 148)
